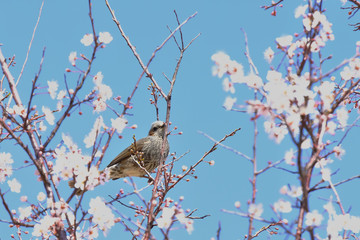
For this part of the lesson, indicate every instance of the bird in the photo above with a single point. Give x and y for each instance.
(140, 158)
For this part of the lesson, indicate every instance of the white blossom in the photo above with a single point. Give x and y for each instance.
(119, 124)
(6, 162)
(284, 41)
(269, 55)
(89, 140)
(342, 116)
(14, 185)
(102, 214)
(42, 228)
(105, 37)
(301, 11)
(295, 191)
(87, 39)
(326, 174)
(166, 217)
(25, 212)
(289, 156)
(256, 210)
(72, 58)
(313, 218)
(228, 86)
(41, 196)
(49, 116)
(53, 87)
(282, 206)
(229, 103)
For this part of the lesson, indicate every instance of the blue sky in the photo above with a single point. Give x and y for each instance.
(197, 97)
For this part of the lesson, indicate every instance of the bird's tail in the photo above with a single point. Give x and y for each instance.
(79, 191)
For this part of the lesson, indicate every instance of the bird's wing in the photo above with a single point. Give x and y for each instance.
(127, 152)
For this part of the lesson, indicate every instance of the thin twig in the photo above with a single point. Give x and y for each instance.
(30, 44)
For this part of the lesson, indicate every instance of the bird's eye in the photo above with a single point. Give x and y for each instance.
(155, 128)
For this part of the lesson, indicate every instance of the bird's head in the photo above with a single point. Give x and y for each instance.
(157, 129)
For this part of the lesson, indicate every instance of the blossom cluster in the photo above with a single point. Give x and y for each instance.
(6, 162)
(103, 217)
(174, 213)
(70, 162)
(288, 98)
(298, 100)
(104, 93)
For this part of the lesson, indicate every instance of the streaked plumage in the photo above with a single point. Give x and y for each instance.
(148, 149)
(145, 151)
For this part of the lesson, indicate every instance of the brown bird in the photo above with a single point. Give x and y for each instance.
(140, 158)
(142, 154)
